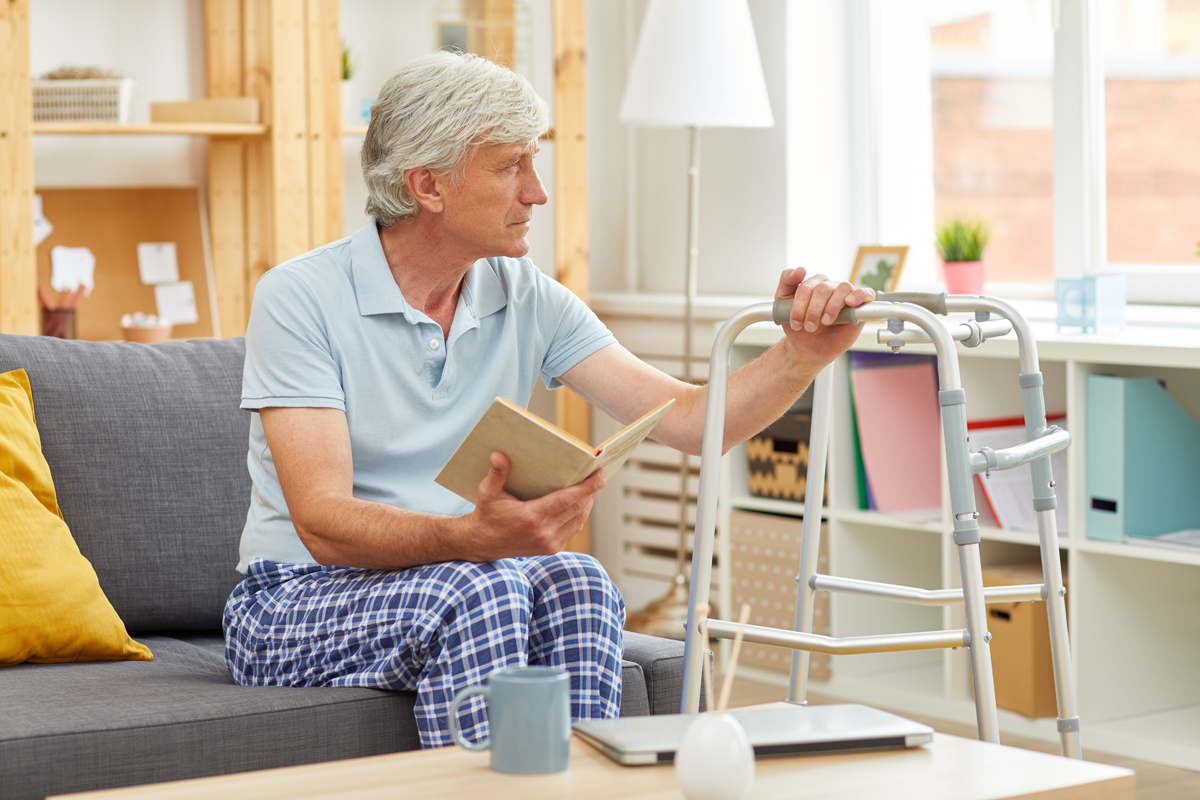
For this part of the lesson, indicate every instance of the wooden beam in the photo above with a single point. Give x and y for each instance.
(326, 182)
(18, 269)
(570, 192)
(223, 40)
(258, 197)
(291, 233)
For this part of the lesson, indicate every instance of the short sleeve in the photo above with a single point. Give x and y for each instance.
(289, 359)
(571, 331)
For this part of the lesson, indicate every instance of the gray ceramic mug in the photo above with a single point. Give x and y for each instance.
(529, 714)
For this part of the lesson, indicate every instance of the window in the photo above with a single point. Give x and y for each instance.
(1072, 127)
(991, 68)
(1152, 131)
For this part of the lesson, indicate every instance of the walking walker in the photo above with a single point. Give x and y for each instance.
(898, 309)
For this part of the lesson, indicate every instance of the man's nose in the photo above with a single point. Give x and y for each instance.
(534, 193)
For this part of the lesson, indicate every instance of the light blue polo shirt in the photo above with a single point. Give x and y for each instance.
(331, 329)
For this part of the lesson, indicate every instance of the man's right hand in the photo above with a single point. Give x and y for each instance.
(501, 526)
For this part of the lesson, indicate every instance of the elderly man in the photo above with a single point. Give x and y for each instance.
(369, 359)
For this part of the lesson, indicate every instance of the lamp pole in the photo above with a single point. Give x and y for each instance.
(667, 616)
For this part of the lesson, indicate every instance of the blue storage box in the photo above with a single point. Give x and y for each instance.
(1091, 303)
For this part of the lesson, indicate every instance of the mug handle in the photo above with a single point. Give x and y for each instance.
(454, 731)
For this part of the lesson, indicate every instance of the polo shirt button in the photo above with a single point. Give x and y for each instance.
(433, 344)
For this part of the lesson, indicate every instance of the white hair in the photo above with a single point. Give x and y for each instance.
(431, 113)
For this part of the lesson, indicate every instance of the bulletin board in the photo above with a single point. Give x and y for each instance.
(111, 223)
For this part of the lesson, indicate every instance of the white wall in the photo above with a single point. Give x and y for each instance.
(742, 175)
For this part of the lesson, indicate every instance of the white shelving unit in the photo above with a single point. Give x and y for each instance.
(1133, 619)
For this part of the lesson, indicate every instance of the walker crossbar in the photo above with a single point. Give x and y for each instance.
(961, 464)
(922, 597)
(846, 645)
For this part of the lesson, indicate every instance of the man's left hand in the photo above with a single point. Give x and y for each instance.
(816, 303)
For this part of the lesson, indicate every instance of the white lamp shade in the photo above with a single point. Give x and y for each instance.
(697, 64)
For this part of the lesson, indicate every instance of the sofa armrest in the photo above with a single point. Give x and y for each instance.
(661, 661)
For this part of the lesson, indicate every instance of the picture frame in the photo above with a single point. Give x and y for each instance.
(879, 267)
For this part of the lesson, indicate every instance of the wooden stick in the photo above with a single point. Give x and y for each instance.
(702, 610)
(727, 685)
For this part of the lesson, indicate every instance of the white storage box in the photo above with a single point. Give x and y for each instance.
(92, 100)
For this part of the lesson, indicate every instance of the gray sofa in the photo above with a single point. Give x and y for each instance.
(147, 447)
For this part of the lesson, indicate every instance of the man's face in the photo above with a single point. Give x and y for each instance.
(488, 213)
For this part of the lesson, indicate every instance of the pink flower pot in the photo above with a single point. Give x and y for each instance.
(964, 277)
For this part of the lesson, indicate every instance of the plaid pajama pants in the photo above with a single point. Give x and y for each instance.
(434, 629)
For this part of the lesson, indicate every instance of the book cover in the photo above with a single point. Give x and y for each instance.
(899, 425)
(543, 457)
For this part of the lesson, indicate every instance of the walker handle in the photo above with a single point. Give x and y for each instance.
(933, 301)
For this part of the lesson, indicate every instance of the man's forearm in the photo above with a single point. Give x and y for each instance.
(763, 390)
(348, 531)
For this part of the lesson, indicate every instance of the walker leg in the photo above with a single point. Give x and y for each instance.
(966, 536)
(818, 449)
(1060, 643)
(981, 654)
(1045, 503)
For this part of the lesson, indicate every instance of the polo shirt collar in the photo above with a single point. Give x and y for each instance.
(374, 285)
(377, 292)
(482, 291)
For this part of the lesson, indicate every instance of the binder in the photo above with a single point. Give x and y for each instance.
(1143, 460)
(899, 425)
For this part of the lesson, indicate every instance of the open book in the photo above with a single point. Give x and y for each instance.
(544, 457)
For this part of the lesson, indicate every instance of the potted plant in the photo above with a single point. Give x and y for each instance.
(351, 116)
(961, 242)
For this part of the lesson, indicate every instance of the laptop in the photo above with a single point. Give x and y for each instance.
(776, 731)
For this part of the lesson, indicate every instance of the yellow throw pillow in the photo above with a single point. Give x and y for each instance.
(52, 608)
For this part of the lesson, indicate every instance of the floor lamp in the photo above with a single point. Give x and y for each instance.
(696, 66)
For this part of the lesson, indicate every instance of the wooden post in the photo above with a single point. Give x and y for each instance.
(326, 181)
(291, 231)
(257, 70)
(570, 192)
(18, 268)
(223, 40)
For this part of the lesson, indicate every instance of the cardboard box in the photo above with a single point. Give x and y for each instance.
(212, 109)
(765, 555)
(1022, 669)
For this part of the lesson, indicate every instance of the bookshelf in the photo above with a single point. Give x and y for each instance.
(1135, 640)
(261, 208)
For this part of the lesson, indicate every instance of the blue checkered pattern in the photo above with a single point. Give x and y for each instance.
(434, 629)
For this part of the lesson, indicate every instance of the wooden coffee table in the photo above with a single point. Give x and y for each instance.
(950, 768)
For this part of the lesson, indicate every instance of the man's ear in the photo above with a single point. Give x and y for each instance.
(426, 188)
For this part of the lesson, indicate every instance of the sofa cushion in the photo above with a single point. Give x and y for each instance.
(52, 609)
(146, 441)
(661, 661)
(76, 727)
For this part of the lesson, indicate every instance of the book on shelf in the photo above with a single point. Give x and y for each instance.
(899, 426)
(542, 456)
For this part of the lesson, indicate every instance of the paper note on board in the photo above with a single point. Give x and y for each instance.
(158, 262)
(177, 302)
(41, 226)
(71, 267)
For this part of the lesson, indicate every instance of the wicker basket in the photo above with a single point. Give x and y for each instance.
(92, 100)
